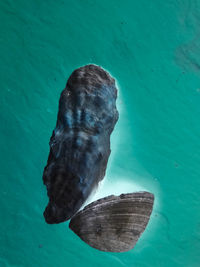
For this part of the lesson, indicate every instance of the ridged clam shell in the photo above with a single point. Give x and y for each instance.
(114, 223)
(80, 143)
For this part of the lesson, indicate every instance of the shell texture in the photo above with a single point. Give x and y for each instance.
(114, 223)
(80, 143)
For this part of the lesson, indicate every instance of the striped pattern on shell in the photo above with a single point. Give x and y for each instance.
(114, 223)
(80, 143)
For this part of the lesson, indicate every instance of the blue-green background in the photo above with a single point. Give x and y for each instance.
(152, 48)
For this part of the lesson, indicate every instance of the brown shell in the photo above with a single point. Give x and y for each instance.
(114, 223)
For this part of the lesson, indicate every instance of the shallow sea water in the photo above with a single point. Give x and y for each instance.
(152, 48)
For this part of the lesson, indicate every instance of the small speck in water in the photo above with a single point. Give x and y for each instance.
(176, 165)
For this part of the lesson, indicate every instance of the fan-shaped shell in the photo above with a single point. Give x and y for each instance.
(114, 223)
(80, 143)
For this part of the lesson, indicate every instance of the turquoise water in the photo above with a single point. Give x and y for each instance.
(153, 50)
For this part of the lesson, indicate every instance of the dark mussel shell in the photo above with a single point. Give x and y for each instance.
(80, 143)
